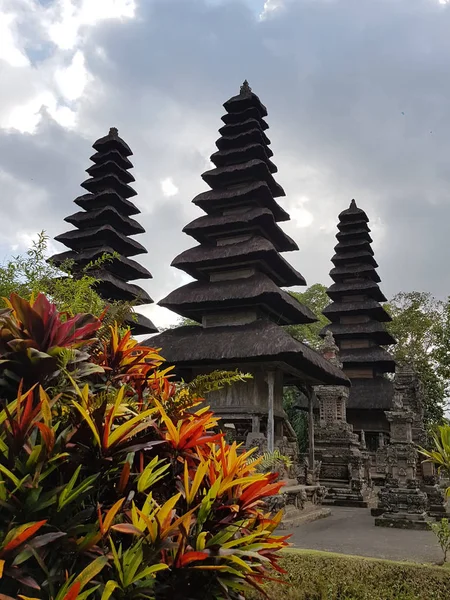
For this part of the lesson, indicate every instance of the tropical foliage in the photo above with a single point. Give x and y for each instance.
(115, 481)
(439, 454)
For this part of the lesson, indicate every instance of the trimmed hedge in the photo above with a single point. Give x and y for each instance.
(325, 576)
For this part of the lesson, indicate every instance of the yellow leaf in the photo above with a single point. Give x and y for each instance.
(111, 514)
(89, 421)
(129, 426)
(2, 564)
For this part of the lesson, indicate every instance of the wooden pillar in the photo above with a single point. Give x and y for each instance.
(311, 397)
(255, 424)
(270, 415)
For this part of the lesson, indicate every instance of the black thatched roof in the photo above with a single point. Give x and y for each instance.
(255, 193)
(105, 226)
(371, 394)
(260, 341)
(257, 220)
(356, 295)
(243, 154)
(367, 306)
(141, 325)
(233, 129)
(198, 298)
(106, 215)
(373, 330)
(256, 252)
(229, 175)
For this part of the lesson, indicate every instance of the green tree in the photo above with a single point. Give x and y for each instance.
(297, 418)
(316, 299)
(420, 324)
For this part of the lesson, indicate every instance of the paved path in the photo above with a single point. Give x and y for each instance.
(352, 531)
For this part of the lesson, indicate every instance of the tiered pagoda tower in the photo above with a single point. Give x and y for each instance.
(237, 297)
(104, 226)
(358, 326)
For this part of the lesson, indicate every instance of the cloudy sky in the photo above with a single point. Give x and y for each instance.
(358, 93)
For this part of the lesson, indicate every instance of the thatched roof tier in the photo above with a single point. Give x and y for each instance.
(114, 156)
(244, 101)
(355, 234)
(256, 342)
(357, 271)
(125, 268)
(244, 154)
(366, 306)
(107, 215)
(373, 330)
(255, 193)
(104, 235)
(256, 252)
(357, 287)
(112, 288)
(350, 258)
(376, 393)
(359, 243)
(353, 214)
(209, 228)
(110, 167)
(375, 356)
(112, 141)
(252, 136)
(100, 184)
(244, 115)
(141, 325)
(257, 291)
(234, 129)
(107, 198)
(256, 170)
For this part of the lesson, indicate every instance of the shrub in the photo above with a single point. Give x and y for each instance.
(118, 484)
(441, 530)
(316, 575)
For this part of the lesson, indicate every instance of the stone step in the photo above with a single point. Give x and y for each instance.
(345, 502)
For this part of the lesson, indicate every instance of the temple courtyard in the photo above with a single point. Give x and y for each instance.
(352, 531)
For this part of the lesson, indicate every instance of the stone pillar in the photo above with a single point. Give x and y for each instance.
(337, 447)
(270, 412)
(402, 503)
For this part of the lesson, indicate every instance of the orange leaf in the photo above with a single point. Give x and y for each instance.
(191, 557)
(125, 475)
(27, 533)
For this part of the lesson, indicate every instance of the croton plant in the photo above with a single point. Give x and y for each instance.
(115, 482)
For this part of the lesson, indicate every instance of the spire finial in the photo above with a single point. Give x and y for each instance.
(113, 132)
(353, 204)
(245, 89)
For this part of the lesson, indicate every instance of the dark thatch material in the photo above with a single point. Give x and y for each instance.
(346, 226)
(114, 156)
(363, 257)
(99, 184)
(248, 113)
(371, 394)
(372, 330)
(261, 341)
(257, 220)
(126, 268)
(198, 298)
(105, 227)
(359, 243)
(257, 193)
(232, 174)
(106, 216)
(354, 214)
(113, 288)
(360, 286)
(253, 136)
(355, 234)
(242, 102)
(356, 271)
(367, 307)
(368, 356)
(112, 141)
(141, 325)
(221, 158)
(255, 252)
(104, 235)
(107, 198)
(233, 129)
(110, 167)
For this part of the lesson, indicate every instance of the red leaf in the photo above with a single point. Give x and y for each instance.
(191, 557)
(73, 591)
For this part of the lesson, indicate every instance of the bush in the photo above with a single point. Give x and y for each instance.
(441, 530)
(326, 576)
(114, 482)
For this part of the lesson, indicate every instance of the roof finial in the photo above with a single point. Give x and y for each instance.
(113, 132)
(353, 204)
(245, 89)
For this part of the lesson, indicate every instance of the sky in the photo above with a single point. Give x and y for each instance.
(358, 95)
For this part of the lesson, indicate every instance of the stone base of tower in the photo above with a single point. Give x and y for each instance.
(404, 507)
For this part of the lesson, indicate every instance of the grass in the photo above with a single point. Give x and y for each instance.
(314, 575)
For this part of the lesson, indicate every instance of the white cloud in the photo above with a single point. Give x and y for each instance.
(73, 79)
(65, 29)
(168, 187)
(9, 48)
(270, 6)
(299, 214)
